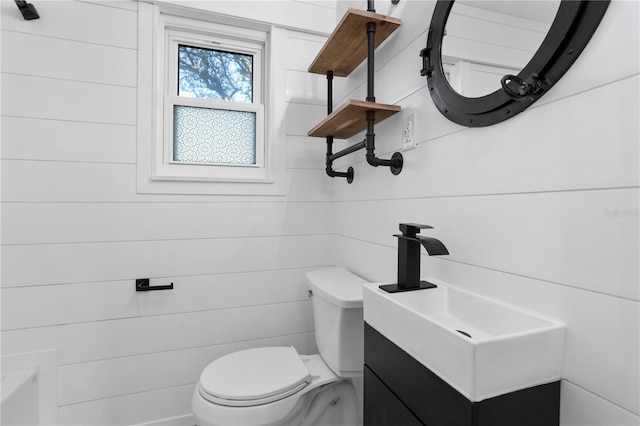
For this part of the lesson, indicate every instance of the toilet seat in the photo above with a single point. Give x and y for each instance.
(254, 377)
(210, 412)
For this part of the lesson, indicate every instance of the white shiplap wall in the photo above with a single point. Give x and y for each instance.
(75, 234)
(540, 211)
(525, 207)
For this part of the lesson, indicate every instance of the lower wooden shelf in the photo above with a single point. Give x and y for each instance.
(351, 118)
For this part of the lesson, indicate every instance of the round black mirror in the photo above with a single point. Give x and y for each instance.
(568, 34)
(485, 40)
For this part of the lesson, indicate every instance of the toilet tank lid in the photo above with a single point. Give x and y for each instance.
(338, 286)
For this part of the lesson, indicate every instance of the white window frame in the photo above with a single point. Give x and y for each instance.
(167, 167)
(161, 29)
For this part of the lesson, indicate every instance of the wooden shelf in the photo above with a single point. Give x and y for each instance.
(351, 118)
(347, 46)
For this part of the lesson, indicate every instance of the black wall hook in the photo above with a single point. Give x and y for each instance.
(28, 10)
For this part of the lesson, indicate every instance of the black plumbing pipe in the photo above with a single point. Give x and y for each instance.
(371, 34)
(370, 142)
(329, 164)
(348, 174)
(370, 6)
(329, 111)
(394, 163)
(329, 160)
(329, 92)
(349, 150)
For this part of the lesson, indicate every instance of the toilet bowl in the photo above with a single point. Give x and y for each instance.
(283, 392)
(279, 386)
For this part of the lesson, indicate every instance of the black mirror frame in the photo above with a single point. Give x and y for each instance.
(571, 30)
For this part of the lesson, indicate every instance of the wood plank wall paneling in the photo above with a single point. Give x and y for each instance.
(31, 307)
(540, 211)
(94, 341)
(157, 221)
(54, 140)
(57, 99)
(75, 235)
(601, 260)
(65, 59)
(69, 182)
(132, 409)
(76, 21)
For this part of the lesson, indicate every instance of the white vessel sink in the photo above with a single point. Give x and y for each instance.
(481, 347)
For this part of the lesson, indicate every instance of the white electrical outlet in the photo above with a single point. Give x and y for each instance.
(409, 132)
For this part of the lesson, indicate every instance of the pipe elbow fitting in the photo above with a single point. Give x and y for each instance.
(372, 160)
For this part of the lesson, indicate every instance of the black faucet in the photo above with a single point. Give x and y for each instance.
(409, 258)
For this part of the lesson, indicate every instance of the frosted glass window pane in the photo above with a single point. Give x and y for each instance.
(215, 74)
(216, 136)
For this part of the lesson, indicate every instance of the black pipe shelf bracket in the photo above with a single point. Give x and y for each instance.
(354, 40)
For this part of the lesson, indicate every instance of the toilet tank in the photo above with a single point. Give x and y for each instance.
(337, 312)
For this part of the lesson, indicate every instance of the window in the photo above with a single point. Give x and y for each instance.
(219, 131)
(208, 130)
(213, 114)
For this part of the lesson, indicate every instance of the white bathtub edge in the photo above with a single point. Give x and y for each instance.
(46, 365)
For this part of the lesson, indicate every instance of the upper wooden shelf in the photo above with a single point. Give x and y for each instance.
(351, 118)
(347, 46)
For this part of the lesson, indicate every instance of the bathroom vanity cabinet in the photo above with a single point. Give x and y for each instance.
(398, 390)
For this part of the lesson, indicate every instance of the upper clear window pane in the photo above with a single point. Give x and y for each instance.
(215, 74)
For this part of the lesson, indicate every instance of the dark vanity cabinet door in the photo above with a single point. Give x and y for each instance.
(431, 400)
(399, 391)
(383, 408)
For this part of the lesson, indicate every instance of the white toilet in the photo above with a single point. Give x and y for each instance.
(278, 386)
